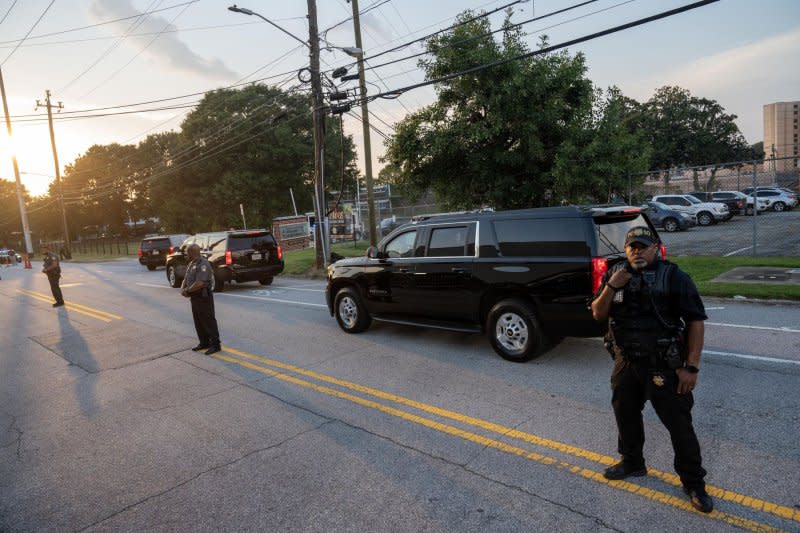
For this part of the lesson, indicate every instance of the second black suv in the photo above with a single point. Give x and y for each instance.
(525, 277)
(153, 250)
(240, 256)
(734, 203)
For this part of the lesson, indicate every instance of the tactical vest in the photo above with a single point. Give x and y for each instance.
(643, 325)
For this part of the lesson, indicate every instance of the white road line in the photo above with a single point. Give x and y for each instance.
(152, 285)
(737, 251)
(766, 328)
(272, 300)
(714, 308)
(64, 285)
(295, 288)
(753, 357)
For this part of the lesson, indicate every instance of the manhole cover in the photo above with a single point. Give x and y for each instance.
(766, 277)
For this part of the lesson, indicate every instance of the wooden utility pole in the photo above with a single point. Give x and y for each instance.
(362, 85)
(49, 107)
(321, 234)
(26, 232)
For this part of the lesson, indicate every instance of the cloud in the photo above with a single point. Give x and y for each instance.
(742, 79)
(168, 48)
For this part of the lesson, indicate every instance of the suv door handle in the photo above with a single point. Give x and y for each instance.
(457, 270)
(403, 270)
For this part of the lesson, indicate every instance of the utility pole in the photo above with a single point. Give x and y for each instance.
(362, 85)
(49, 107)
(22, 214)
(322, 255)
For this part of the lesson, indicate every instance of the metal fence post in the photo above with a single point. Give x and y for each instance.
(755, 207)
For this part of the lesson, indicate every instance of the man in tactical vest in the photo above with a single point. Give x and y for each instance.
(197, 286)
(655, 334)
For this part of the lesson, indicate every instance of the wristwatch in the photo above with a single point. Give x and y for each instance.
(691, 369)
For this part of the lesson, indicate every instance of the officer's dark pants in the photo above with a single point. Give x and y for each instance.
(632, 385)
(54, 288)
(205, 322)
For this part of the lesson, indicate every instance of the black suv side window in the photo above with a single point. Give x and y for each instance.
(537, 237)
(402, 245)
(447, 242)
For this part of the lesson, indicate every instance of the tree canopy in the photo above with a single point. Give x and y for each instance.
(524, 133)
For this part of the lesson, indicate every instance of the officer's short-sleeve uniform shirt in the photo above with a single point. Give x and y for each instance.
(684, 297)
(48, 260)
(199, 269)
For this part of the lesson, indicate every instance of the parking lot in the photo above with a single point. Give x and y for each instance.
(776, 234)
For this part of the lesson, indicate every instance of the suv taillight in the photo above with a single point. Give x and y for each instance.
(663, 249)
(599, 268)
(139, 252)
(228, 258)
(171, 249)
(280, 253)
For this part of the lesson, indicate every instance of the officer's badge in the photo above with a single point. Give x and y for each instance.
(658, 380)
(203, 268)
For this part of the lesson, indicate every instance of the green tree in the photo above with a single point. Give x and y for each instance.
(685, 130)
(9, 213)
(604, 160)
(493, 136)
(248, 147)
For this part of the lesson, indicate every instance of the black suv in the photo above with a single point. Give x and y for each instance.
(523, 277)
(153, 250)
(239, 255)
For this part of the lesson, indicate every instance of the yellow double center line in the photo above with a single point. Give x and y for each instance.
(654, 495)
(72, 306)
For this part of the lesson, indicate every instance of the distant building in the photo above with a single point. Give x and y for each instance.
(780, 134)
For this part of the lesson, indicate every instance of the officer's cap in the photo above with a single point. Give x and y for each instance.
(641, 234)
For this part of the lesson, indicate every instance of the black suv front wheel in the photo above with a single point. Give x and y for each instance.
(351, 314)
(172, 277)
(514, 331)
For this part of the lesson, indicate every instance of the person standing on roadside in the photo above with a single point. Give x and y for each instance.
(197, 287)
(52, 268)
(655, 334)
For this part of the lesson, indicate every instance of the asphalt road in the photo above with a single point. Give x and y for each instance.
(108, 422)
(776, 234)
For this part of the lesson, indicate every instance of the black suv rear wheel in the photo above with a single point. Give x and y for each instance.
(351, 314)
(266, 280)
(514, 332)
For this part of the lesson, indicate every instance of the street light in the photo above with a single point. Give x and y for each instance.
(246, 11)
(322, 254)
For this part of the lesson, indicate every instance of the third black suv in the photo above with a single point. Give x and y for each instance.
(524, 277)
(240, 256)
(154, 249)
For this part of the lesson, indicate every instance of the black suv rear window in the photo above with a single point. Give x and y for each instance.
(262, 241)
(541, 237)
(611, 233)
(151, 244)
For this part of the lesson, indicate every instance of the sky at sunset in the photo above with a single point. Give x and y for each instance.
(95, 54)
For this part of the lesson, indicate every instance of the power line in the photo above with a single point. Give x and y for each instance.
(8, 11)
(29, 31)
(542, 51)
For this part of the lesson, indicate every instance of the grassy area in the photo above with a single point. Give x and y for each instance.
(98, 252)
(300, 262)
(704, 269)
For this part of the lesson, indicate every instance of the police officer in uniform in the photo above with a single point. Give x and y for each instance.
(197, 286)
(52, 269)
(655, 318)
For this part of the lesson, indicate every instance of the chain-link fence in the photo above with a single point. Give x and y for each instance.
(772, 184)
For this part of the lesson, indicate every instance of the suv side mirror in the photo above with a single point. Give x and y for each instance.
(374, 253)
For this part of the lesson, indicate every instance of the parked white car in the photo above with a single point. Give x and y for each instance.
(778, 199)
(707, 213)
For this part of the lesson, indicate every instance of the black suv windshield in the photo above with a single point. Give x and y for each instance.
(258, 241)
